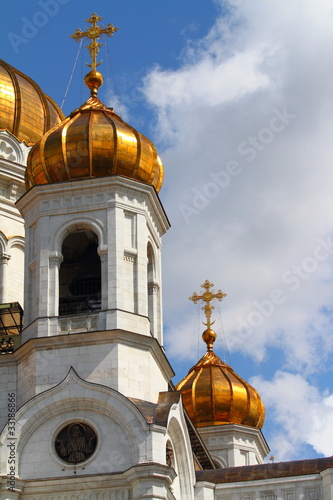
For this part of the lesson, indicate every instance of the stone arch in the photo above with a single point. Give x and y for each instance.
(219, 462)
(119, 423)
(3, 243)
(16, 242)
(77, 224)
(76, 249)
(183, 484)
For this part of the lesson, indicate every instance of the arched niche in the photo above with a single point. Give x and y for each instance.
(80, 274)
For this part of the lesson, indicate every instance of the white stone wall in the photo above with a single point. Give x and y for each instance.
(234, 445)
(129, 449)
(8, 377)
(13, 156)
(127, 362)
(125, 215)
(290, 488)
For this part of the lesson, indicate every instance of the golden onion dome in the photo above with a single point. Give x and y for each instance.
(25, 111)
(212, 393)
(93, 142)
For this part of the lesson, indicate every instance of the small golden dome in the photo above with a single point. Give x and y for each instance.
(213, 394)
(25, 111)
(93, 142)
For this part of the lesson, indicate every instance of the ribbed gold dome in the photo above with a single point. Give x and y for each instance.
(93, 142)
(25, 110)
(213, 394)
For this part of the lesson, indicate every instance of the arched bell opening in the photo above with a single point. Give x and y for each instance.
(80, 274)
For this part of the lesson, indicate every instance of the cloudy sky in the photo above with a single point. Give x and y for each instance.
(238, 97)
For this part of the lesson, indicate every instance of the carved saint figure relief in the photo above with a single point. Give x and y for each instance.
(75, 443)
(169, 455)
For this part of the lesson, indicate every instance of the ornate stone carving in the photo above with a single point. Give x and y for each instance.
(7, 152)
(82, 323)
(129, 258)
(55, 261)
(4, 258)
(153, 289)
(169, 454)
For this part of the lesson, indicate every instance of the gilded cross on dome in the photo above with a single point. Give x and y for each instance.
(207, 296)
(94, 32)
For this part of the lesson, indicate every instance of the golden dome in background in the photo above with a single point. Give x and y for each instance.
(93, 142)
(212, 393)
(25, 111)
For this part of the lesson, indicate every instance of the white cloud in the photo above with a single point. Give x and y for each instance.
(300, 412)
(246, 125)
(255, 92)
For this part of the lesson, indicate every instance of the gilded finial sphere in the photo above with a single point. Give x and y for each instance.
(93, 80)
(209, 337)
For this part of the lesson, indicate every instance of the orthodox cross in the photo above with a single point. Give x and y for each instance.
(94, 32)
(207, 297)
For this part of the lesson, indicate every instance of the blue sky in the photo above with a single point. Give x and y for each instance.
(237, 96)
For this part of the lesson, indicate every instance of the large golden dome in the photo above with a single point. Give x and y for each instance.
(213, 394)
(94, 142)
(25, 110)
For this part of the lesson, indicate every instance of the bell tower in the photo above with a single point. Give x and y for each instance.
(94, 225)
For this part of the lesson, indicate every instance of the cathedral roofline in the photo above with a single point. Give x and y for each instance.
(265, 471)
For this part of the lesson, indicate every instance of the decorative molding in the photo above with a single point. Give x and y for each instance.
(112, 193)
(11, 149)
(153, 289)
(289, 494)
(312, 493)
(103, 253)
(129, 257)
(12, 192)
(55, 261)
(75, 324)
(7, 152)
(4, 258)
(117, 494)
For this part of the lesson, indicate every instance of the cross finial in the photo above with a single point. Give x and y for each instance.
(94, 79)
(207, 297)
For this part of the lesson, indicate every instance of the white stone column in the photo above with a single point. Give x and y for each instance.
(103, 255)
(54, 266)
(4, 259)
(153, 297)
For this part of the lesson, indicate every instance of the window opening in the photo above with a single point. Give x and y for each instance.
(80, 274)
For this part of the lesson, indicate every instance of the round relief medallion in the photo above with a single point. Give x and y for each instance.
(75, 443)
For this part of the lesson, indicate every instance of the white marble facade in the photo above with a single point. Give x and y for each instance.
(106, 369)
(13, 157)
